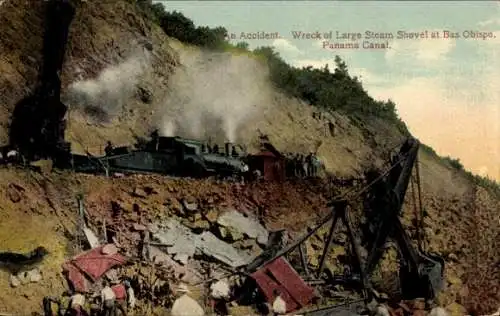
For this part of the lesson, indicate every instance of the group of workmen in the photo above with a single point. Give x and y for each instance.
(112, 301)
(302, 166)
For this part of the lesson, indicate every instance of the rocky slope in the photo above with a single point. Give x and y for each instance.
(109, 46)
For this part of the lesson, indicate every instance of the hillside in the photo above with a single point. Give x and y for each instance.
(117, 88)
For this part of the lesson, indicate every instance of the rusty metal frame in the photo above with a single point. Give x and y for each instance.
(339, 212)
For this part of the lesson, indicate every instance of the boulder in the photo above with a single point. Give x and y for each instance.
(230, 234)
(195, 225)
(14, 281)
(179, 240)
(174, 206)
(244, 225)
(220, 290)
(139, 192)
(186, 273)
(211, 246)
(186, 306)
(212, 216)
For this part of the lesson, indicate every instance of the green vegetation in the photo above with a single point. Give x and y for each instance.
(333, 90)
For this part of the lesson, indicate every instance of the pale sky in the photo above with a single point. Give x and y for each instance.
(445, 89)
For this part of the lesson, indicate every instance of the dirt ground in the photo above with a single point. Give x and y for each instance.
(462, 221)
(37, 209)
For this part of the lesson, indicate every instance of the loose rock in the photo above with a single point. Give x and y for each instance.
(34, 275)
(381, 310)
(438, 311)
(220, 290)
(212, 216)
(279, 306)
(14, 281)
(190, 205)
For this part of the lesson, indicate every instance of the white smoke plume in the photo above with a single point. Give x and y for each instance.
(105, 96)
(167, 128)
(212, 94)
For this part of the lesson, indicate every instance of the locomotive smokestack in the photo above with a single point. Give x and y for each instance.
(226, 148)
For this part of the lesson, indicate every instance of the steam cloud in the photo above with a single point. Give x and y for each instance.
(105, 96)
(212, 95)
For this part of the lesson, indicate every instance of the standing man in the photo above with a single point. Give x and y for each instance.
(108, 299)
(306, 165)
(130, 295)
(331, 128)
(310, 166)
(108, 149)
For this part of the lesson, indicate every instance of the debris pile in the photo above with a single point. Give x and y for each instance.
(197, 247)
(160, 247)
(199, 257)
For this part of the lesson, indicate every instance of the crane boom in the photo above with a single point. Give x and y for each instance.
(421, 273)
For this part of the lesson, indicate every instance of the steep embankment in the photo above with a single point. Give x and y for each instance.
(116, 86)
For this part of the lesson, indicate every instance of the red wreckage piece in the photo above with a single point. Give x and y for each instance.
(279, 275)
(88, 267)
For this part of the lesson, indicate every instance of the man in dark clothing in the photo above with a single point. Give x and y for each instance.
(215, 149)
(316, 165)
(234, 153)
(300, 166)
(155, 135)
(309, 166)
(289, 166)
(331, 127)
(108, 149)
(296, 165)
(47, 306)
(304, 165)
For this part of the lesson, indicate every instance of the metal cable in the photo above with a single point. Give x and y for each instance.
(369, 185)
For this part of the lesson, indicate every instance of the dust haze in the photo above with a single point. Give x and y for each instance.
(104, 97)
(212, 95)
